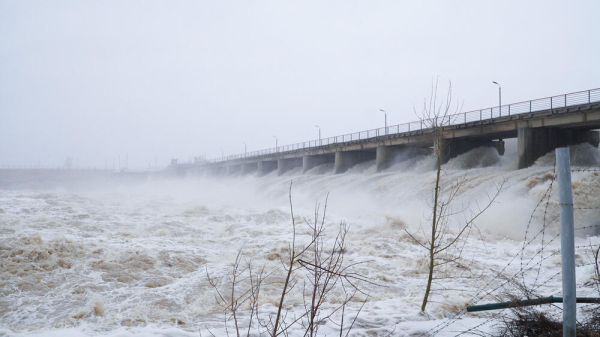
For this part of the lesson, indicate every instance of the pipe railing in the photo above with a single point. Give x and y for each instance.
(546, 103)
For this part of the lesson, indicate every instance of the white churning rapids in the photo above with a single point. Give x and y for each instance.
(131, 258)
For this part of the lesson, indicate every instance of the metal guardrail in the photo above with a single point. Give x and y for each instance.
(547, 103)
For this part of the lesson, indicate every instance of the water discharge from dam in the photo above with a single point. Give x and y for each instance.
(116, 258)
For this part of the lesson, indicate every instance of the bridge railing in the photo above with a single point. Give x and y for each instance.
(547, 103)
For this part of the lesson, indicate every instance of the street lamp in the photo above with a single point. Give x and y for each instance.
(385, 114)
(222, 155)
(499, 97)
(245, 149)
(275, 143)
(319, 133)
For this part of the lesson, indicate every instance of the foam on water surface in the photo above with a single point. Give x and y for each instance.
(132, 259)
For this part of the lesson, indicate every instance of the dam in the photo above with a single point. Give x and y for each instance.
(540, 126)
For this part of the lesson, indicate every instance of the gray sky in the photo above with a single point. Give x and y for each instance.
(95, 80)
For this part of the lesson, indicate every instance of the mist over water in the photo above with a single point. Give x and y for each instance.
(98, 254)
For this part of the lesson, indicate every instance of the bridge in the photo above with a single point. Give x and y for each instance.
(540, 125)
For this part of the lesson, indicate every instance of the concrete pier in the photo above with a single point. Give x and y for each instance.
(286, 164)
(533, 143)
(311, 161)
(219, 171)
(457, 146)
(347, 159)
(234, 169)
(249, 168)
(386, 156)
(266, 167)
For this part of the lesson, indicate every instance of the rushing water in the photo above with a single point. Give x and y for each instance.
(94, 255)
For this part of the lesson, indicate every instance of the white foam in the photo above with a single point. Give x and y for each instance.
(131, 260)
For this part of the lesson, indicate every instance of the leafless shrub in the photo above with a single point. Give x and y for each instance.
(533, 321)
(327, 274)
(232, 301)
(530, 322)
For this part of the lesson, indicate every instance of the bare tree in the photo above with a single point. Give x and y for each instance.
(326, 273)
(241, 276)
(443, 247)
(290, 265)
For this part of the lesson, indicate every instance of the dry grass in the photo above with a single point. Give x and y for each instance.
(528, 321)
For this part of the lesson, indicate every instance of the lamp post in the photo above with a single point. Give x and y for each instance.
(222, 155)
(385, 114)
(319, 133)
(275, 143)
(499, 97)
(245, 149)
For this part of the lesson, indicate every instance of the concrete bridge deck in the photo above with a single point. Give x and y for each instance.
(540, 125)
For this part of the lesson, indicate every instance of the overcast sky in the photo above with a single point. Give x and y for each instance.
(155, 80)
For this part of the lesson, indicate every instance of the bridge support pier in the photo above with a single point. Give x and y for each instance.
(310, 161)
(249, 168)
(284, 165)
(266, 167)
(386, 155)
(346, 159)
(533, 143)
(220, 171)
(455, 147)
(233, 169)
(383, 157)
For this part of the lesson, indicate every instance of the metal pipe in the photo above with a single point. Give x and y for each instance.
(512, 304)
(524, 303)
(567, 240)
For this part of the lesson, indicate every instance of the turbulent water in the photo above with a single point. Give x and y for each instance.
(95, 255)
